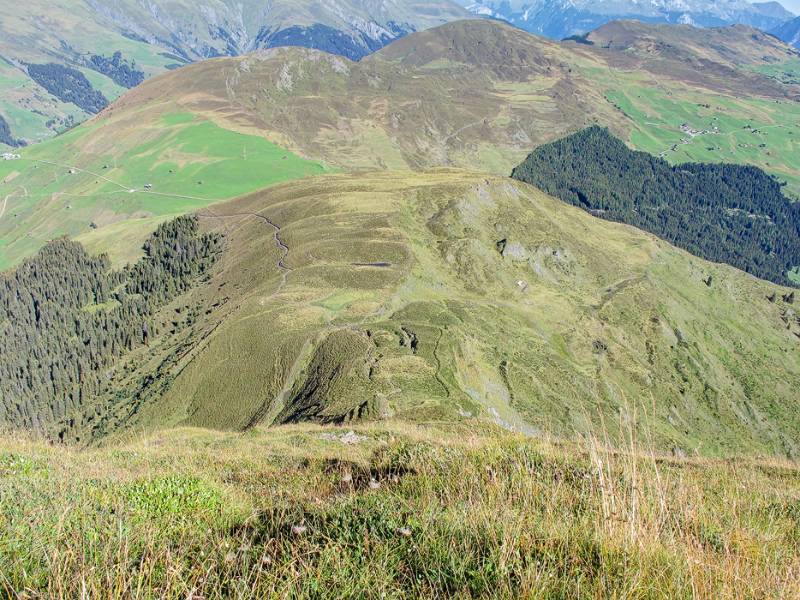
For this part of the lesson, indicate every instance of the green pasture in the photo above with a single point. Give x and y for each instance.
(176, 167)
(785, 72)
(760, 132)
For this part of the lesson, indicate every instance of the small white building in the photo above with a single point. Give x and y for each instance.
(11, 156)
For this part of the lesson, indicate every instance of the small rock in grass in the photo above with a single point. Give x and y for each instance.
(404, 531)
(374, 485)
(299, 529)
(351, 437)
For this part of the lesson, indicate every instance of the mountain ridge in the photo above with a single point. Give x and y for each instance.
(402, 290)
(353, 289)
(287, 324)
(491, 93)
(132, 41)
(789, 32)
(560, 19)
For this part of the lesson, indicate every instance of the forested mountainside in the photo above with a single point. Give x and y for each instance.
(724, 213)
(337, 292)
(68, 85)
(66, 317)
(5, 135)
(280, 324)
(116, 45)
(442, 295)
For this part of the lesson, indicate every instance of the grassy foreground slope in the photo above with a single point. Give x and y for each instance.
(458, 296)
(391, 510)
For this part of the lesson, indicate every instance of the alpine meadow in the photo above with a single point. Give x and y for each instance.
(402, 299)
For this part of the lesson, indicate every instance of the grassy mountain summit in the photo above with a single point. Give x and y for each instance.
(731, 46)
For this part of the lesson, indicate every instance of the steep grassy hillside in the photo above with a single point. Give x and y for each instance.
(473, 94)
(727, 46)
(391, 511)
(116, 45)
(457, 296)
(692, 95)
(489, 92)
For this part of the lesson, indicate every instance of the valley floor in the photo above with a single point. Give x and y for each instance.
(391, 510)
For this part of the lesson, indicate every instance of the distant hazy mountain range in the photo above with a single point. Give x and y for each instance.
(789, 32)
(563, 18)
(208, 28)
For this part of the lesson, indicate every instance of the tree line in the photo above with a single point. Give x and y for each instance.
(734, 214)
(117, 69)
(5, 135)
(66, 317)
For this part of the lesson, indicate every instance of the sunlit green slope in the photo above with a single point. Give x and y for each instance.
(456, 296)
(109, 179)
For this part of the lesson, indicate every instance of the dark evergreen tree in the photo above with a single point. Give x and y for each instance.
(68, 85)
(119, 70)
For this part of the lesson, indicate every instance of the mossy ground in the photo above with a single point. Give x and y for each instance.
(401, 511)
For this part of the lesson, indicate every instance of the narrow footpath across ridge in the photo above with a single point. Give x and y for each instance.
(280, 399)
(282, 247)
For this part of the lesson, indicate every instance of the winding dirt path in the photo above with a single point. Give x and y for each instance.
(282, 247)
(273, 405)
(8, 197)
